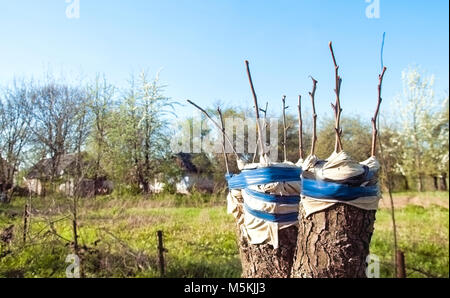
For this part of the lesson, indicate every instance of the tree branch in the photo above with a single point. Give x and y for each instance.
(217, 125)
(314, 136)
(337, 107)
(258, 124)
(266, 125)
(374, 119)
(285, 128)
(300, 128)
(225, 156)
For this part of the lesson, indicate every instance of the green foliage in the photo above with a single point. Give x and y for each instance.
(423, 135)
(356, 139)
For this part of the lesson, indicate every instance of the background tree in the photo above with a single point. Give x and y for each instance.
(100, 104)
(436, 156)
(15, 119)
(415, 108)
(139, 135)
(55, 109)
(356, 135)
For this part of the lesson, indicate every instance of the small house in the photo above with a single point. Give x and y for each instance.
(64, 173)
(191, 178)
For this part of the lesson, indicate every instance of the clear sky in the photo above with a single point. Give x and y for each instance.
(201, 46)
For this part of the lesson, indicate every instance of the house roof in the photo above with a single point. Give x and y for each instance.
(44, 168)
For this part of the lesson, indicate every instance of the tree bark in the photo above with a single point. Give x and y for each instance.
(405, 179)
(333, 243)
(444, 182)
(420, 183)
(436, 184)
(263, 261)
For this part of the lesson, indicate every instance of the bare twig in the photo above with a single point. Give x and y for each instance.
(258, 124)
(225, 156)
(265, 126)
(300, 128)
(314, 136)
(388, 177)
(374, 119)
(337, 106)
(285, 127)
(217, 125)
(427, 274)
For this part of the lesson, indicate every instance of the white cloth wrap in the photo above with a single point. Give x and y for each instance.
(257, 230)
(339, 166)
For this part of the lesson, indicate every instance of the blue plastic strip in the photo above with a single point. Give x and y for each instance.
(327, 190)
(279, 218)
(289, 200)
(263, 176)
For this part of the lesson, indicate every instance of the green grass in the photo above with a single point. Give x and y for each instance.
(422, 236)
(442, 195)
(118, 238)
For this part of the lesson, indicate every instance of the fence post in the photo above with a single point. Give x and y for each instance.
(161, 251)
(25, 223)
(401, 268)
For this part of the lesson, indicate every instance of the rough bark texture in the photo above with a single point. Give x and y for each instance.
(263, 261)
(334, 243)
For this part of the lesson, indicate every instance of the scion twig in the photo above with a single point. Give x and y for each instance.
(217, 125)
(314, 137)
(374, 119)
(300, 128)
(265, 126)
(258, 124)
(337, 106)
(225, 156)
(285, 127)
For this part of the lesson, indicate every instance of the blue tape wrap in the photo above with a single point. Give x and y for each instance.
(279, 218)
(263, 176)
(334, 191)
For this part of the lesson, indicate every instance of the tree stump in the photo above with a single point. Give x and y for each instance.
(263, 261)
(334, 243)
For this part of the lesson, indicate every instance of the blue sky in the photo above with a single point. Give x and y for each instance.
(201, 46)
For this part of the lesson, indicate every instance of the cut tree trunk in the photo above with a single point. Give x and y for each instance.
(334, 243)
(263, 261)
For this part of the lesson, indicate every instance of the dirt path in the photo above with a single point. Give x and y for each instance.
(402, 201)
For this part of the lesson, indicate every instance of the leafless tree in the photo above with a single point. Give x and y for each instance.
(55, 110)
(15, 122)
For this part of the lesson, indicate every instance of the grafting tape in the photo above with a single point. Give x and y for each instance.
(262, 176)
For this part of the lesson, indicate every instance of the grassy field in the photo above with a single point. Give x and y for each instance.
(118, 237)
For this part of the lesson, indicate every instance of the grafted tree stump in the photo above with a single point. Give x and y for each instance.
(333, 243)
(263, 261)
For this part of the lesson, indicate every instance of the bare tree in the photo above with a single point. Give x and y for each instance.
(55, 108)
(15, 122)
